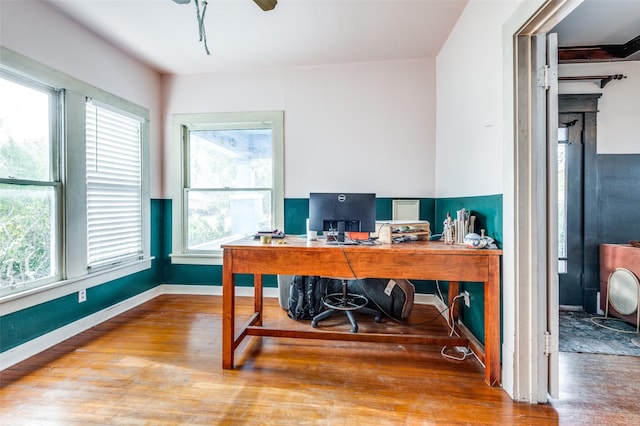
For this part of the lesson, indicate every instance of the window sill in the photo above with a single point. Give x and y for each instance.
(34, 296)
(197, 258)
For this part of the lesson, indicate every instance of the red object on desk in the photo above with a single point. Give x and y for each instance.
(358, 236)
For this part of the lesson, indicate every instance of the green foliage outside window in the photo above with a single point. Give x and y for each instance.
(25, 234)
(27, 190)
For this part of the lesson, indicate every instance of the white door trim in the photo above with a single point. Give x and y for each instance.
(532, 210)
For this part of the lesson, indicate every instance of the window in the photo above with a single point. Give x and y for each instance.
(74, 185)
(232, 181)
(29, 183)
(563, 140)
(114, 186)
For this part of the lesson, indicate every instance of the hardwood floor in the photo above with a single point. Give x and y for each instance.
(160, 364)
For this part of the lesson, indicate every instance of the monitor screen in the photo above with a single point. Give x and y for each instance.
(342, 212)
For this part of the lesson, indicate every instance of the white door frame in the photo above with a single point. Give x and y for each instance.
(535, 265)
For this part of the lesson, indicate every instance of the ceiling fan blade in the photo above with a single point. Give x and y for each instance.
(266, 4)
(181, 1)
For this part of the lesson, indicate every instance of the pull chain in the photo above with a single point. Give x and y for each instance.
(203, 35)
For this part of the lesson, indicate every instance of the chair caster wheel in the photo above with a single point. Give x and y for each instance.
(378, 318)
(314, 324)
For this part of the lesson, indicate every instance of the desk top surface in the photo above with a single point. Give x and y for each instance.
(300, 243)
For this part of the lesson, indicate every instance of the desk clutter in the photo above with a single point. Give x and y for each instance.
(273, 233)
(461, 230)
(399, 231)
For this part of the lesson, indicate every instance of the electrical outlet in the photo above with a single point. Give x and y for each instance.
(467, 299)
(462, 349)
(82, 296)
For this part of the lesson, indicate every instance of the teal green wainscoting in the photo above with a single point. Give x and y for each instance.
(27, 324)
(20, 327)
(208, 275)
(296, 211)
(488, 210)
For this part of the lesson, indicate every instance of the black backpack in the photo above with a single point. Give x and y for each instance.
(305, 297)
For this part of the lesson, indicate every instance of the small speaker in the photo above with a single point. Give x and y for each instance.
(623, 293)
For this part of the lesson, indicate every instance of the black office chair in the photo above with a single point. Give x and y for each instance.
(348, 303)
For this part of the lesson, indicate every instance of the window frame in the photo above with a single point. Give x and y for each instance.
(75, 274)
(181, 125)
(56, 100)
(100, 143)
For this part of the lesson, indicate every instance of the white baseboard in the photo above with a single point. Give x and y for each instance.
(213, 290)
(33, 347)
(508, 369)
(432, 299)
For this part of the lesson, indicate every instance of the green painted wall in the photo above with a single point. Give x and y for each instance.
(295, 223)
(488, 210)
(20, 327)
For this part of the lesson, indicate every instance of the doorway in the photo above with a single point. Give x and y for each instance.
(570, 209)
(577, 209)
(532, 270)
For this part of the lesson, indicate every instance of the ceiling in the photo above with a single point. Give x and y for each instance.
(300, 33)
(600, 23)
(240, 35)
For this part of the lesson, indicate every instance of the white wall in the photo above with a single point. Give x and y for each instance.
(365, 127)
(38, 31)
(475, 126)
(475, 117)
(470, 103)
(619, 106)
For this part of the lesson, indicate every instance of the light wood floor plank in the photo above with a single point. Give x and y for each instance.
(160, 364)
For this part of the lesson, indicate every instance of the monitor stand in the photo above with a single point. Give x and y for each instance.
(337, 237)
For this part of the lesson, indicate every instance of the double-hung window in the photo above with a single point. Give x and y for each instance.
(232, 181)
(114, 185)
(30, 188)
(74, 184)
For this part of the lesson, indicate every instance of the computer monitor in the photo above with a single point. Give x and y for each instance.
(338, 213)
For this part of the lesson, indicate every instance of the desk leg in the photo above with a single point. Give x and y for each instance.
(454, 290)
(257, 297)
(492, 374)
(228, 310)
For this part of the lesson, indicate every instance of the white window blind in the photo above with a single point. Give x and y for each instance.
(114, 192)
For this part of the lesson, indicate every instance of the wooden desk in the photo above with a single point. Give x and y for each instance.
(426, 260)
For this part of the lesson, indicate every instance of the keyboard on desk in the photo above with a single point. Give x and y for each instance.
(342, 243)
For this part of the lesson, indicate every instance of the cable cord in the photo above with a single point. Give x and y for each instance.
(592, 319)
(466, 352)
(450, 320)
(380, 308)
(359, 281)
